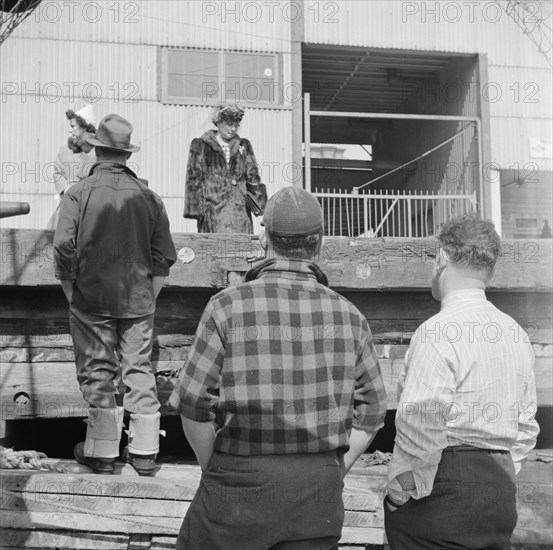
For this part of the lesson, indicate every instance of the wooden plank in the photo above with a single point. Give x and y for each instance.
(30, 520)
(50, 390)
(377, 264)
(61, 540)
(31, 316)
(534, 500)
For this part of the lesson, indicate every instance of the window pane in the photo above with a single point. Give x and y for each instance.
(233, 63)
(175, 85)
(246, 76)
(210, 63)
(267, 67)
(193, 63)
(232, 88)
(197, 85)
(176, 60)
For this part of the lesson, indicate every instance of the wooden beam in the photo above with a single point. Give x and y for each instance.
(350, 263)
(50, 389)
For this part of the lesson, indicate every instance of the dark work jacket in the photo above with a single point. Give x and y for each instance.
(216, 193)
(112, 238)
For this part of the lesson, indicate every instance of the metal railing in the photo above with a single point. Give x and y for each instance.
(390, 213)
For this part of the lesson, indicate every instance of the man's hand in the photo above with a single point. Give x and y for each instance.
(157, 283)
(359, 440)
(67, 286)
(201, 436)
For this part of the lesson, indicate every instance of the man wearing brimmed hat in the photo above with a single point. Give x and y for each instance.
(280, 394)
(113, 249)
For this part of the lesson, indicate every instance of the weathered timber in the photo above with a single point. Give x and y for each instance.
(58, 509)
(31, 312)
(206, 261)
(50, 390)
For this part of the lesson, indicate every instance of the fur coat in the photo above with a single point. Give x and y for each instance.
(215, 192)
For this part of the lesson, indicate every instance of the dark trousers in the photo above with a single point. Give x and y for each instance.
(281, 502)
(472, 506)
(108, 349)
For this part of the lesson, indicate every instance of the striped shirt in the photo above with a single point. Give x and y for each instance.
(226, 151)
(468, 380)
(282, 365)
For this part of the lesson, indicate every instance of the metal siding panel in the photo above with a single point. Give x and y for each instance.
(388, 24)
(510, 138)
(60, 70)
(520, 92)
(164, 133)
(166, 22)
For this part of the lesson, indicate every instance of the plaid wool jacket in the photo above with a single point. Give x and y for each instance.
(282, 365)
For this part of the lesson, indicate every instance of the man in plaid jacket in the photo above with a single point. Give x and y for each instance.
(281, 393)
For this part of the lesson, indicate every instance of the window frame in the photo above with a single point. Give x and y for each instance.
(163, 80)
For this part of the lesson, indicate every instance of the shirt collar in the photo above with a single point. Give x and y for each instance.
(297, 270)
(114, 167)
(464, 295)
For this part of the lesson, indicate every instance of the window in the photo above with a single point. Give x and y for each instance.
(209, 77)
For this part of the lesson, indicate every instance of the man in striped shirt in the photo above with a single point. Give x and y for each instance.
(466, 413)
(281, 393)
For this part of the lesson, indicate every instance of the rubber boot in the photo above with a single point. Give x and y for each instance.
(103, 434)
(143, 442)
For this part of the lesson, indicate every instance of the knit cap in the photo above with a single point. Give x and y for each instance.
(293, 212)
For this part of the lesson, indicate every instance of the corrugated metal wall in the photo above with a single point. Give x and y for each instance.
(111, 49)
(462, 27)
(164, 133)
(520, 80)
(251, 26)
(114, 66)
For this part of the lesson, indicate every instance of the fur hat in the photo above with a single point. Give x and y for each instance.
(227, 112)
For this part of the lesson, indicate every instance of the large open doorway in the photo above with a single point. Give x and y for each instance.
(393, 138)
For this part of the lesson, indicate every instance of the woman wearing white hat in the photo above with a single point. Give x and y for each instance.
(75, 159)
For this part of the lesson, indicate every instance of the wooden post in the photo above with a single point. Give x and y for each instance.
(484, 142)
(307, 139)
(297, 33)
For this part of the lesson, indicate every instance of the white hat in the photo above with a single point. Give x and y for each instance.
(87, 114)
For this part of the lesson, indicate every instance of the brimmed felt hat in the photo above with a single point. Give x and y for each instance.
(114, 132)
(293, 212)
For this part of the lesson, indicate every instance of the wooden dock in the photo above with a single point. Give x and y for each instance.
(387, 279)
(76, 511)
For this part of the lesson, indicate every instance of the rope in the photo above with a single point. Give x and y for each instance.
(26, 460)
(32, 460)
(416, 159)
(72, 508)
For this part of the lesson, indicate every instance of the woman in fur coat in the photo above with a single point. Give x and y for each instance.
(223, 188)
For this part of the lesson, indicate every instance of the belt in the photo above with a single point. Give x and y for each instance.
(470, 448)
